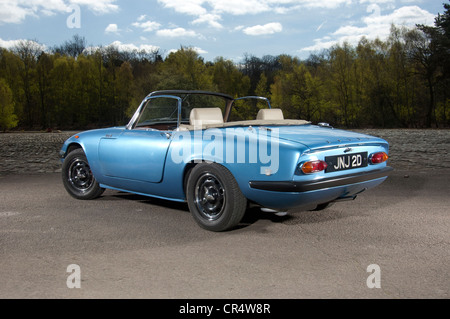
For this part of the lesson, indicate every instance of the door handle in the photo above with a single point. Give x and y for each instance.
(166, 134)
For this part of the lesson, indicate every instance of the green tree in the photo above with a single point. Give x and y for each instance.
(296, 91)
(440, 45)
(423, 56)
(371, 88)
(227, 78)
(43, 69)
(123, 83)
(10, 68)
(186, 70)
(73, 47)
(261, 87)
(65, 111)
(28, 52)
(8, 119)
(342, 59)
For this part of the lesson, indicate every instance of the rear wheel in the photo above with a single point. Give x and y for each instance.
(214, 197)
(77, 176)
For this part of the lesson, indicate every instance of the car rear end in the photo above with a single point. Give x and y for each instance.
(336, 165)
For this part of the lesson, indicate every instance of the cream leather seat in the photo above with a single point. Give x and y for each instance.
(205, 116)
(270, 114)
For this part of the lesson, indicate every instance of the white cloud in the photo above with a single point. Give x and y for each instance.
(199, 50)
(196, 49)
(374, 26)
(142, 17)
(376, 1)
(319, 45)
(408, 15)
(211, 11)
(148, 48)
(147, 26)
(240, 7)
(190, 7)
(10, 12)
(269, 28)
(10, 44)
(112, 28)
(315, 4)
(97, 6)
(16, 11)
(125, 47)
(176, 33)
(211, 19)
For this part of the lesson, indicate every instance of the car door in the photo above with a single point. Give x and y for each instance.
(135, 154)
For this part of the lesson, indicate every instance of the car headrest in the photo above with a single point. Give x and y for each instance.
(270, 114)
(207, 115)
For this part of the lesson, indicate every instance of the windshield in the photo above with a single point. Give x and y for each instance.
(158, 111)
(162, 112)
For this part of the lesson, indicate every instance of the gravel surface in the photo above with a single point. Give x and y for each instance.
(31, 152)
(37, 153)
(411, 149)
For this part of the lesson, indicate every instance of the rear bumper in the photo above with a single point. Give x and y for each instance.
(301, 187)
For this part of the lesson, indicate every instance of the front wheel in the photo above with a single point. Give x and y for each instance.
(214, 197)
(77, 176)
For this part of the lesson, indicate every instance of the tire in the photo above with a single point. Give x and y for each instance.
(214, 197)
(77, 176)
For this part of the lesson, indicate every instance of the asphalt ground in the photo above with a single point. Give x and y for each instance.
(129, 246)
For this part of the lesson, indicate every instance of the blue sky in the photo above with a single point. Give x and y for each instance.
(226, 28)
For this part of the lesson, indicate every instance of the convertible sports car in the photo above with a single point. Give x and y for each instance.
(200, 147)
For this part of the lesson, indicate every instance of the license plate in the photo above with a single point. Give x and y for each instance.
(346, 161)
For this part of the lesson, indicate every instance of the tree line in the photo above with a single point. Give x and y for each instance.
(402, 81)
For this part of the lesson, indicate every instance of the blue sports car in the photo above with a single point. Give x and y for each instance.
(221, 155)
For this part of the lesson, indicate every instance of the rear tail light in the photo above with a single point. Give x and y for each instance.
(377, 158)
(314, 167)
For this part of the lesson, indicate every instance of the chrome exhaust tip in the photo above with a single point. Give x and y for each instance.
(276, 212)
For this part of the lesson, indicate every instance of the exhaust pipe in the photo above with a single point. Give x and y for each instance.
(276, 212)
(349, 198)
(345, 199)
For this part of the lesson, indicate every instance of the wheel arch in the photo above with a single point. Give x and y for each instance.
(186, 172)
(217, 210)
(77, 176)
(194, 162)
(69, 148)
(72, 147)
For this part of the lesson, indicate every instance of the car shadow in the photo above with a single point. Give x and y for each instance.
(316, 217)
(149, 200)
(253, 215)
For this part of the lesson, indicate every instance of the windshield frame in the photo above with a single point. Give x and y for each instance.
(262, 98)
(175, 94)
(135, 119)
